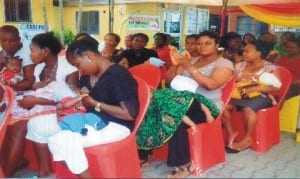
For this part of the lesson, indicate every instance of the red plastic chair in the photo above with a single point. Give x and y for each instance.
(117, 159)
(206, 146)
(8, 98)
(148, 72)
(267, 130)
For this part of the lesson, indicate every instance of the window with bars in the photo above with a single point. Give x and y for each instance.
(17, 10)
(89, 22)
(246, 24)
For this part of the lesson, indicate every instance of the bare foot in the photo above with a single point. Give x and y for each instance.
(231, 138)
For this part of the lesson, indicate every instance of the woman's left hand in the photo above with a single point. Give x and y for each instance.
(41, 84)
(186, 60)
(88, 101)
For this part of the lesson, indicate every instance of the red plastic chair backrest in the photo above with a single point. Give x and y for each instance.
(144, 100)
(286, 80)
(8, 97)
(148, 72)
(227, 90)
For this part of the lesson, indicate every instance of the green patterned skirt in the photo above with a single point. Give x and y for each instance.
(164, 115)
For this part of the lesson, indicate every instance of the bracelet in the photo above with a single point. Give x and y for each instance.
(97, 107)
(194, 71)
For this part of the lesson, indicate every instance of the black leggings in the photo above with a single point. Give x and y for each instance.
(179, 148)
(294, 90)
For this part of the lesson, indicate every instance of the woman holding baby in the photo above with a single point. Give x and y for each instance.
(254, 95)
(49, 67)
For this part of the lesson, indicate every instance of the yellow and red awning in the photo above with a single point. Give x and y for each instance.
(287, 14)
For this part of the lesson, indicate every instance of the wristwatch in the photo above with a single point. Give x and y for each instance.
(97, 107)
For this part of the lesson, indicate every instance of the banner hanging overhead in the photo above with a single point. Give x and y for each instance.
(287, 15)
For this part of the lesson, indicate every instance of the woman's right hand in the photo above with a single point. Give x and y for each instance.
(82, 96)
(84, 90)
(180, 59)
(27, 102)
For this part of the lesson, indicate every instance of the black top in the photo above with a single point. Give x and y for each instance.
(134, 59)
(115, 85)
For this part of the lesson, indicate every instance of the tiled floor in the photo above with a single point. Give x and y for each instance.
(282, 161)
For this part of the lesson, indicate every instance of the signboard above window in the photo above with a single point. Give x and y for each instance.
(143, 22)
(196, 20)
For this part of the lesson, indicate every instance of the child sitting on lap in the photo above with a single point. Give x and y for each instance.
(11, 74)
(72, 116)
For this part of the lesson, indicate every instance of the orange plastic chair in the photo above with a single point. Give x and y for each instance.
(267, 130)
(8, 98)
(117, 159)
(148, 72)
(206, 146)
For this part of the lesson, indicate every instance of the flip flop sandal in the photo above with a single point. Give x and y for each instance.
(231, 150)
(188, 169)
(144, 163)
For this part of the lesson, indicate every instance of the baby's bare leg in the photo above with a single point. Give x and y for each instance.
(190, 123)
(209, 117)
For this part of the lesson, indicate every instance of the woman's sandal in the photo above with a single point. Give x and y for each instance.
(182, 172)
(230, 149)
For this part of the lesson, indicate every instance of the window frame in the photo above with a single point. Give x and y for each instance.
(15, 12)
(88, 22)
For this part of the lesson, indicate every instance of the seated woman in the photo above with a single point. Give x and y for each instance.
(250, 70)
(11, 44)
(232, 43)
(211, 72)
(44, 52)
(111, 41)
(292, 61)
(170, 107)
(112, 95)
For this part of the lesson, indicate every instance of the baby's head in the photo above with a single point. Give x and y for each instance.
(121, 60)
(107, 52)
(14, 64)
